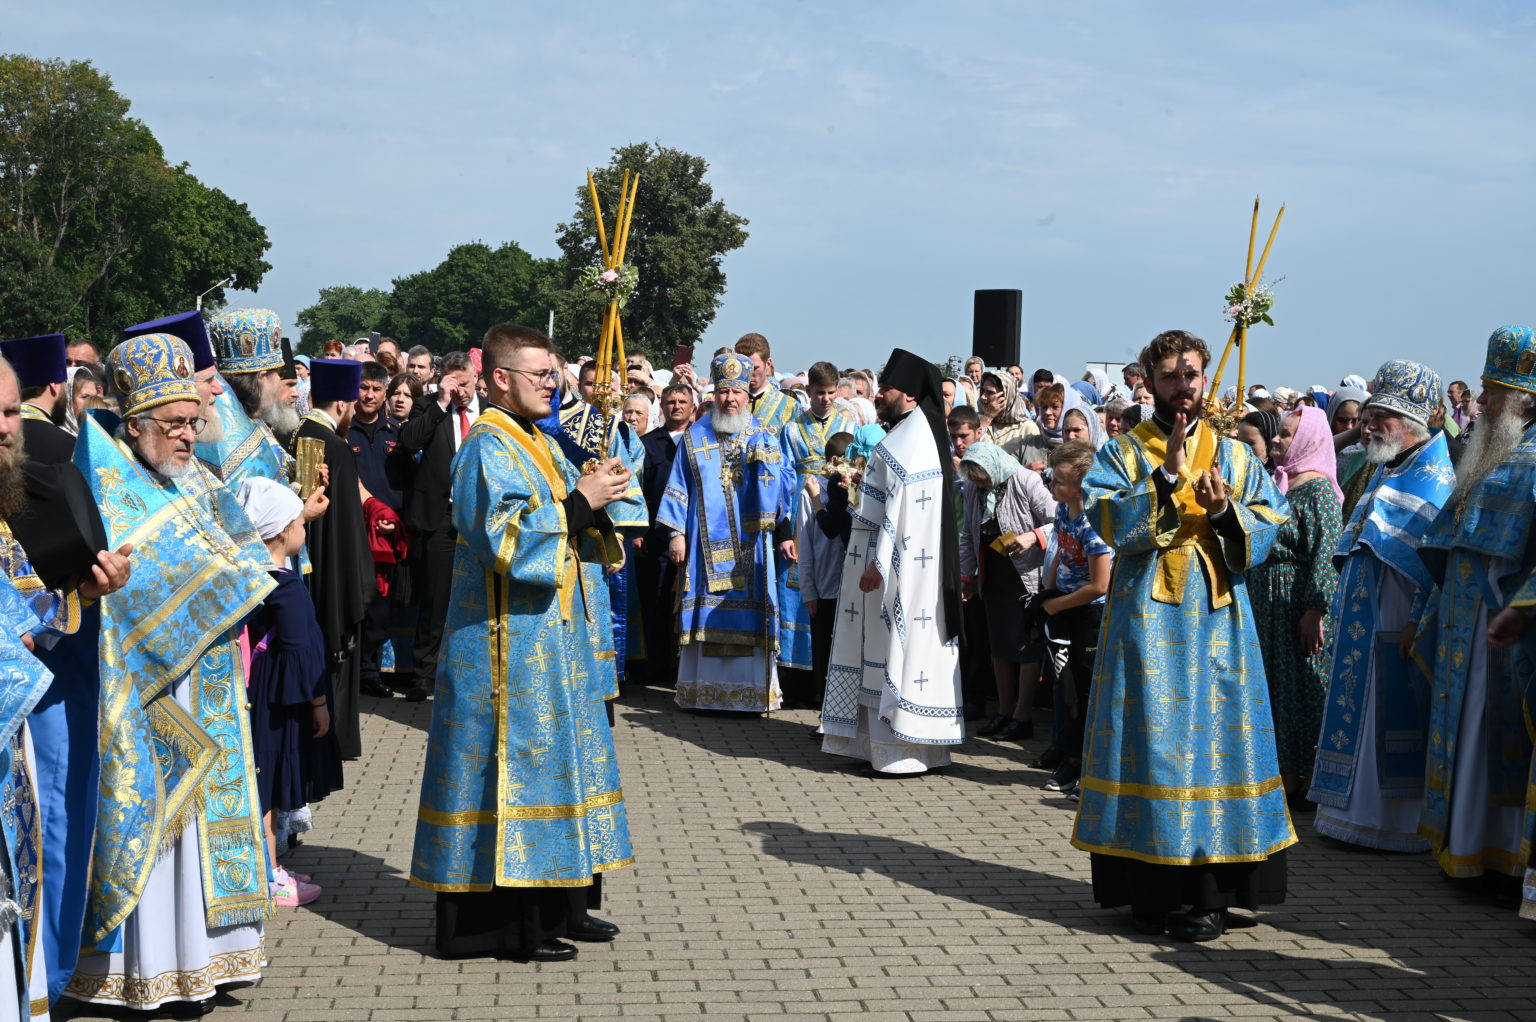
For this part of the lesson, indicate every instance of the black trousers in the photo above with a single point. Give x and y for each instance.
(437, 579)
(1081, 626)
(657, 577)
(823, 624)
(511, 921)
(978, 682)
(377, 618)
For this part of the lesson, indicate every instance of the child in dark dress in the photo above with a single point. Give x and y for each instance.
(298, 760)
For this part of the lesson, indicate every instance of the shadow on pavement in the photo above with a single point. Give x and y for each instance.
(785, 737)
(416, 715)
(368, 896)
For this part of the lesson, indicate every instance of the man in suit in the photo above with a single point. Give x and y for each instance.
(41, 371)
(436, 435)
(657, 576)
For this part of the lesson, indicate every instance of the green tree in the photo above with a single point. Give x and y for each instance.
(679, 235)
(449, 307)
(344, 313)
(97, 230)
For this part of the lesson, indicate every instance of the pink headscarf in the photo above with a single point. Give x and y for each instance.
(1311, 450)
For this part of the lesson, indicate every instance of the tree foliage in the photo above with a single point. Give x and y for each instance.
(449, 307)
(344, 313)
(97, 230)
(679, 235)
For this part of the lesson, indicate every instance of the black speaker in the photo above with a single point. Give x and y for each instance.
(995, 326)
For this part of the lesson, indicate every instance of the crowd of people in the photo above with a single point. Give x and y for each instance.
(1236, 610)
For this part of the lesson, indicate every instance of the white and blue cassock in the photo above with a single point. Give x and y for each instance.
(23, 682)
(724, 497)
(804, 443)
(1369, 779)
(893, 680)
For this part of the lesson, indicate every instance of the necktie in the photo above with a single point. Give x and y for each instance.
(463, 424)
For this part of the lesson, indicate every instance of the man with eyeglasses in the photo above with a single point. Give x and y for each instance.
(192, 330)
(532, 530)
(338, 543)
(178, 875)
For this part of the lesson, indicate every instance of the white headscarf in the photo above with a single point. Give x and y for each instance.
(1074, 401)
(270, 505)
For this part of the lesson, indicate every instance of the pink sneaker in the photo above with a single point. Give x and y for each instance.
(288, 891)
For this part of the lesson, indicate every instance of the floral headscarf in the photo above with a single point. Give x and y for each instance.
(998, 464)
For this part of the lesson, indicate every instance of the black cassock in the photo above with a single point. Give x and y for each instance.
(342, 571)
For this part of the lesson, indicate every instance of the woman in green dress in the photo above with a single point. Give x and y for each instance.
(1292, 593)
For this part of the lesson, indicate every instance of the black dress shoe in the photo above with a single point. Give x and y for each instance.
(376, 688)
(992, 726)
(592, 930)
(549, 951)
(1015, 731)
(1198, 927)
(1151, 923)
(418, 694)
(1050, 759)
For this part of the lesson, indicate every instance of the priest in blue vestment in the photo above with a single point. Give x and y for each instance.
(723, 500)
(521, 806)
(589, 434)
(178, 876)
(1368, 781)
(1182, 810)
(804, 442)
(1481, 550)
(247, 344)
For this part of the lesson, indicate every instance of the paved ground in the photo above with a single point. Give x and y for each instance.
(773, 884)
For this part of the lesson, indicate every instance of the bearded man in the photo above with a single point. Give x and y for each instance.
(1481, 549)
(178, 875)
(1183, 810)
(249, 357)
(893, 679)
(1368, 782)
(721, 504)
(190, 328)
(62, 723)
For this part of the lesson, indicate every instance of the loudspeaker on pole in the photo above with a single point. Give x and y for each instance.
(996, 325)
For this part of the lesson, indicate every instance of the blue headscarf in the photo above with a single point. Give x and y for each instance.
(998, 464)
(865, 440)
(1089, 391)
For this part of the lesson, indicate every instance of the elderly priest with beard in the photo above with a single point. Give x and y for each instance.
(1368, 782)
(893, 684)
(722, 504)
(178, 879)
(521, 808)
(1482, 551)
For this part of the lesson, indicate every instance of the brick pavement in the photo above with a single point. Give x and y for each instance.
(773, 884)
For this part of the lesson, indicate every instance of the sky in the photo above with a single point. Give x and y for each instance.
(1102, 157)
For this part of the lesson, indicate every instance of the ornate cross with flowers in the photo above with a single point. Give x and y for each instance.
(613, 282)
(1247, 302)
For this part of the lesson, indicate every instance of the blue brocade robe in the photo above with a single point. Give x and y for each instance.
(585, 433)
(1481, 550)
(803, 441)
(521, 787)
(729, 584)
(1179, 761)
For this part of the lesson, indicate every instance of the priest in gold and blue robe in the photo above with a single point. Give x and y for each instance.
(521, 808)
(1481, 550)
(723, 500)
(247, 346)
(586, 434)
(1182, 810)
(178, 889)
